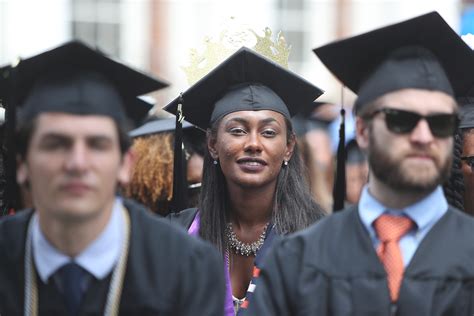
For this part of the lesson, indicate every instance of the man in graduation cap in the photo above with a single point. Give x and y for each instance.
(402, 250)
(83, 250)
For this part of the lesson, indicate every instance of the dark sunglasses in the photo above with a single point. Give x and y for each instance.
(402, 122)
(470, 161)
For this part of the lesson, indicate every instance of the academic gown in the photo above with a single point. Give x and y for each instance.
(332, 269)
(167, 273)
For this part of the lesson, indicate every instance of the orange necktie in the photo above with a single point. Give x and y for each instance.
(389, 231)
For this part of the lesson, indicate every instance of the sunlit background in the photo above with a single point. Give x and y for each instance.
(156, 36)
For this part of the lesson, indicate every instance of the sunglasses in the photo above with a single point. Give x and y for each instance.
(402, 122)
(470, 161)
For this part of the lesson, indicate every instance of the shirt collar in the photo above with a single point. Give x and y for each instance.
(422, 212)
(98, 258)
(428, 209)
(369, 208)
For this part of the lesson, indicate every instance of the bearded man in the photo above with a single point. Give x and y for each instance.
(402, 250)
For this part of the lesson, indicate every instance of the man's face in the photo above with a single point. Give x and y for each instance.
(73, 165)
(416, 161)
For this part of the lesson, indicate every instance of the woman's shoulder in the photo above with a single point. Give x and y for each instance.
(183, 218)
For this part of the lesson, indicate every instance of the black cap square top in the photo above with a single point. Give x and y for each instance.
(423, 52)
(74, 78)
(244, 81)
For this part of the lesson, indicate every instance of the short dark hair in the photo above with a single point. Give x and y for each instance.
(25, 131)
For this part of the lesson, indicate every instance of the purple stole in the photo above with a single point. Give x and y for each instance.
(193, 230)
(228, 304)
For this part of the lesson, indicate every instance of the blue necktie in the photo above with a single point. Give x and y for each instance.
(72, 278)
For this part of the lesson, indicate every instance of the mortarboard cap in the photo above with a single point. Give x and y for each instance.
(307, 111)
(139, 110)
(423, 53)
(306, 119)
(466, 112)
(244, 81)
(157, 126)
(74, 78)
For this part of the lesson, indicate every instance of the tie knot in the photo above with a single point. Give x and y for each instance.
(71, 271)
(72, 278)
(392, 228)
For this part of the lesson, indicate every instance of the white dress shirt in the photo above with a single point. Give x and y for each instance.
(99, 258)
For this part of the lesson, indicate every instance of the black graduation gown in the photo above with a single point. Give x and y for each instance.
(332, 269)
(168, 272)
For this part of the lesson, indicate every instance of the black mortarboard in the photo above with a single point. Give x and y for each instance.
(244, 81)
(423, 52)
(139, 112)
(307, 111)
(157, 126)
(306, 120)
(75, 78)
(466, 112)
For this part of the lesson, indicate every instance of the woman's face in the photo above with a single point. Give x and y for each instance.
(251, 147)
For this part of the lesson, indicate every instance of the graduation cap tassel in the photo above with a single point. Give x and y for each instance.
(11, 198)
(339, 190)
(178, 202)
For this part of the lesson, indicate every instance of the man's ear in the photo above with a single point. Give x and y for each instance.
(362, 132)
(125, 171)
(21, 171)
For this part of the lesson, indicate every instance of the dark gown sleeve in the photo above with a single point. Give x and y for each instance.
(285, 280)
(184, 218)
(203, 290)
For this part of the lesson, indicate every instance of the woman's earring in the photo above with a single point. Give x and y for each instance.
(285, 163)
(215, 162)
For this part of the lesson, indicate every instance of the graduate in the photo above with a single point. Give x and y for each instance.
(83, 250)
(253, 187)
(402, 250)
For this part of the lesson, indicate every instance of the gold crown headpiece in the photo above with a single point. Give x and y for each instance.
(216, 51)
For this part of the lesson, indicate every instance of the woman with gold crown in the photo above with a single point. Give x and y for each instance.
(253, 187)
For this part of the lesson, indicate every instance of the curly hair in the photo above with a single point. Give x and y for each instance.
(152, 176)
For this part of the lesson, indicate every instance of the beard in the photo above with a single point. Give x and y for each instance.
(399, 174)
